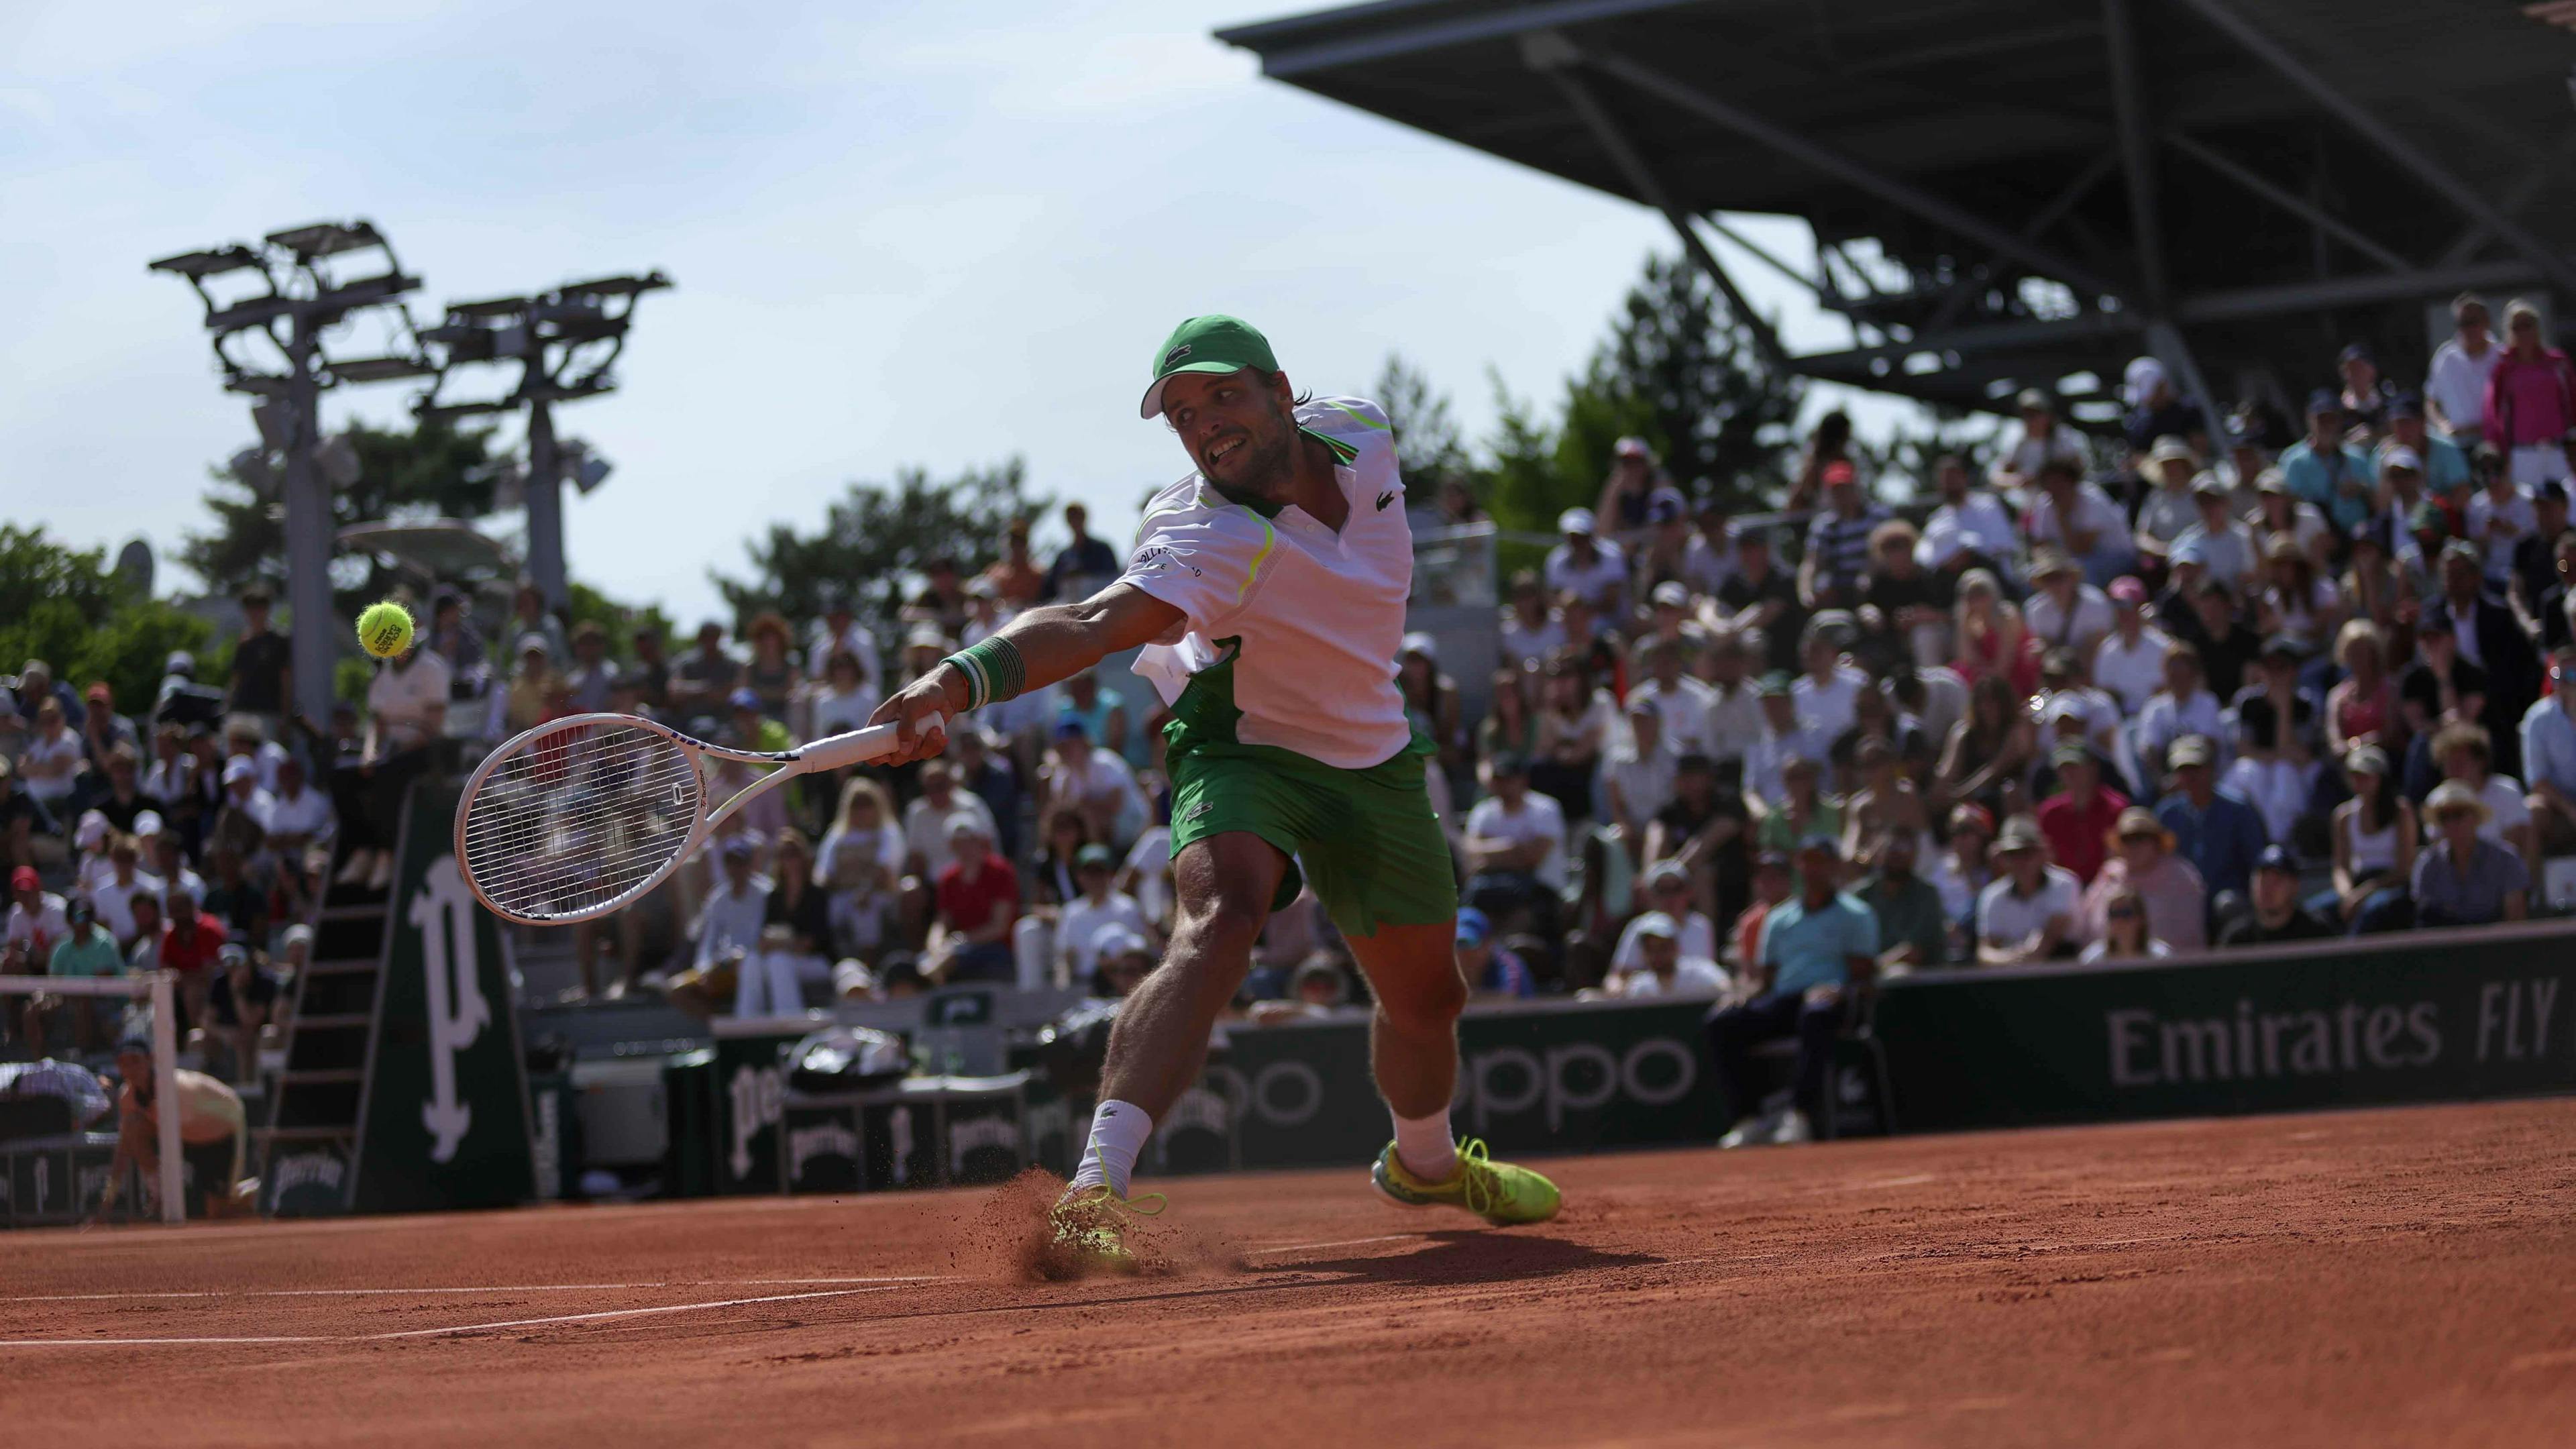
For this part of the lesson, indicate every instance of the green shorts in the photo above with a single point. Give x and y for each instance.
(1368, 839)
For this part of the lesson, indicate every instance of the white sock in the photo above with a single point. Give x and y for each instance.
(1118, 1133)
(1424, 1146)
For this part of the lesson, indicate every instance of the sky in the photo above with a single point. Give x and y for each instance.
(927, 235)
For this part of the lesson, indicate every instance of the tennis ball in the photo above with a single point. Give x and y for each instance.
(384, 630)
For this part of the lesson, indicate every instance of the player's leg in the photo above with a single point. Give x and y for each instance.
(1384, 874)
(1158, 1046)
(1413, 1035)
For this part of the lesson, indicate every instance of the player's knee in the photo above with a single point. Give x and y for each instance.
(1429, 1004)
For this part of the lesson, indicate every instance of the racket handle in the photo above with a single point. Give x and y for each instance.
(856, 747)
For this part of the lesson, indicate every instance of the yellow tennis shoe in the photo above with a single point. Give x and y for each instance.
(1087, 1233)
(1498, 1192)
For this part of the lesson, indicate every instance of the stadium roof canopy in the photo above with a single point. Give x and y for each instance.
(2010, 193)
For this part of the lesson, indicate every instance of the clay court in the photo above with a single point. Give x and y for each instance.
(2388, 1277)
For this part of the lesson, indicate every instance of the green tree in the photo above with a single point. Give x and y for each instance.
(429, 471)
(1677, 370)
(876, 539)
(67, 607)
(1682, 371)
(1428, 446)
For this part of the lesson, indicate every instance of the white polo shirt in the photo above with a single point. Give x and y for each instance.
(1299, 624)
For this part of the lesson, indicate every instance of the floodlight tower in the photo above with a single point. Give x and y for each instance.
(566, 343)
(265, 314)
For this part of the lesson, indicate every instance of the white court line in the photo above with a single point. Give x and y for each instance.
(504, 1288)
(1336, 1243)
(437, 1332)
(626, 1313)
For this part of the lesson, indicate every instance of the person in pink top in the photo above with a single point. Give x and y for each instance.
(2143, 862)
(2531, 400)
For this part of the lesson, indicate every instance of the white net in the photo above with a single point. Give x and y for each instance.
(576, 821)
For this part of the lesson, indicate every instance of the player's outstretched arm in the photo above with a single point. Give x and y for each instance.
(1046, 644)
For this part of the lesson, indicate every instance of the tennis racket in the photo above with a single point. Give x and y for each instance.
(581, 816)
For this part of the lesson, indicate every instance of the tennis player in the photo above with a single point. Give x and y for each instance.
(1268, 590)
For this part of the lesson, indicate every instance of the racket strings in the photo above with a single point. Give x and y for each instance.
(571, 822)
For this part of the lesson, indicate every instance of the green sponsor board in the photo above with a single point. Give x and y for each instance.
(1568, 1077)
(2434, 1016)
(445, 1118)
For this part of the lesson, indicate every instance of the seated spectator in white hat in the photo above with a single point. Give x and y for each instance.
(1668, 893)
(2218, 542)
(2462, 878)
(1587, 565)
(2130, 660)
(1662, 969)
(2027, 913)
(2168, 508)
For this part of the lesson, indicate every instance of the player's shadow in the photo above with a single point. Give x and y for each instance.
(1468, 1255)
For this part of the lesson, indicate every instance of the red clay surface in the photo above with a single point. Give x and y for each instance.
(2399, 1277)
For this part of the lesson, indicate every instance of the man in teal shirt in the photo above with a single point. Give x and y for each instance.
(1814, 948)
(2327, 471)
(86, 952)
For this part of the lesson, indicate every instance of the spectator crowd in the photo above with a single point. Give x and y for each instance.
(2205, 682)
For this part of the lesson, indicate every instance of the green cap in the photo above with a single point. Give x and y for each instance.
(1206, 344)
(1774, 685)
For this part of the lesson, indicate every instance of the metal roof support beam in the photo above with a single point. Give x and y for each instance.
(1759, 254)
(2396, 147)
(2003, 338)
(2513, 200)
(2137, 152)
(1547, 53)
(2436, 284)
(2146, 213)
(1844, 168)
(1295, 60)
(2289, 201)
(2035, 228)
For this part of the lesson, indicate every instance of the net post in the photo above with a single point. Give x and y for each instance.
(165, 1094)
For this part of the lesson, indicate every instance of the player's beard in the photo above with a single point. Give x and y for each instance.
(1263, 469)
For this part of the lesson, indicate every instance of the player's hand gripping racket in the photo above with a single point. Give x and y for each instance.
(581, 816)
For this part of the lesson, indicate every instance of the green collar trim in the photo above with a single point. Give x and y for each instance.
(1342, 452)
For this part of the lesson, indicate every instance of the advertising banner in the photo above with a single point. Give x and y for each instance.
(2424, 1017)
